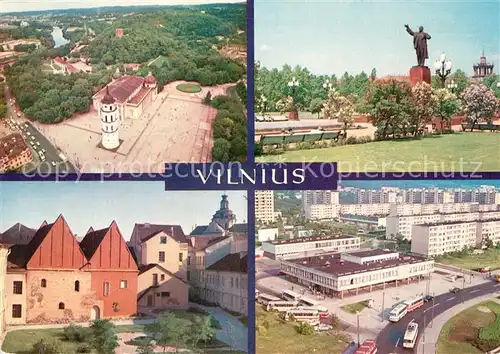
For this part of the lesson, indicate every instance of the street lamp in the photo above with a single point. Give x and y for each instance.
(263, 101)
(293, 84)
(452, 86)
(357, 314)
(328, 86)
(443, 68)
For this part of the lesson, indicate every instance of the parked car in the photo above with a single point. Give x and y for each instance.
(455, 290)
(323, 327)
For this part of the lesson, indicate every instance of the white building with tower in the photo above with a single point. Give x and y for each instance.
(110, 119)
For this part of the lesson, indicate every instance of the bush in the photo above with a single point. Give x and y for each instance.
(50, 346)
(351, 140)
(75, 333)
(305, 329)
(84, 348)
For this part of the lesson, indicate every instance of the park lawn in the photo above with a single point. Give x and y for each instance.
(450, 152)
(281, 337)
(458, 334)
(489, 258)
(355, 308)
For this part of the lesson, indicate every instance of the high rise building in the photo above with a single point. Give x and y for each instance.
(264, 206)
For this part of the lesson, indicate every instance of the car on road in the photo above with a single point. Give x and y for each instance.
(44, 151)
(32, 143)
(25, 125)
(53, 163)
(455, 290)
(428, 298)
(323, 327)
(38, 143)
(484, 270)
(19, 114)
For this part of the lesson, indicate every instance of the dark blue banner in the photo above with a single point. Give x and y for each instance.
(246, 176)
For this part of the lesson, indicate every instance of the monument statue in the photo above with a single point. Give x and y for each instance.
(419, 43)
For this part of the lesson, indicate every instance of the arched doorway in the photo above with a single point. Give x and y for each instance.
(95, 313)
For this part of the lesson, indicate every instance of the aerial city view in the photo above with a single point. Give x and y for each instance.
(121, 89)
(413, 88)
(379, 266)
(99, 278)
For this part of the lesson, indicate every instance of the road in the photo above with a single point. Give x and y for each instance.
(53, 162)
(390, 339)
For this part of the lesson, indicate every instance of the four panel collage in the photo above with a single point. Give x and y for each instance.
(166, 179)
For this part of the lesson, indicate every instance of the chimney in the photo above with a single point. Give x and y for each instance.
(172, 231)
(193, 241)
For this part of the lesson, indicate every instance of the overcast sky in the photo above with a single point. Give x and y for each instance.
(37, 5)
(97, 204)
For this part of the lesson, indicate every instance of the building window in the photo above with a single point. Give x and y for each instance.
(162, 277)
(18, 287)
(77, 285)
(163, 240)
(165, 294)
(123, 284)
(43, 283)
(161, 256)
(61, 306)
(158, 294)
(189, 260)
(180, 257)
(17, 311)
(106, 288)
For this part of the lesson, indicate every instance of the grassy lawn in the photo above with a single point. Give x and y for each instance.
(489, 258)
(356, 307)
(188, 88)
(281, 337)
(462, 333)
(453, 152)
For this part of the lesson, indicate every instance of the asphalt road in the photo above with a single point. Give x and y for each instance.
(390, 339)
(51, 152)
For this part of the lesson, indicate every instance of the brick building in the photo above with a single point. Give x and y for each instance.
(14, 152)
(52, 279)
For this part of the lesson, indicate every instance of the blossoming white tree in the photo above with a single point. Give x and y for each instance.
(337, 106)
(424, 105)
(479, 104)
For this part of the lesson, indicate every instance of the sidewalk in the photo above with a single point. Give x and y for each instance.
(429, 338)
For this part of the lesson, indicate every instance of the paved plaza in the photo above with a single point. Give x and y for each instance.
(176, 127)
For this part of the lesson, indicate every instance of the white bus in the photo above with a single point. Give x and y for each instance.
(281, 306)
(302, 314)
(411, 334)
(264, 299)
(307, 302)
(257, 292)
(289, 295)
(398, 312)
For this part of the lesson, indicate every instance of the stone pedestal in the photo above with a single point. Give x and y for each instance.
(293, 115)
(419, 74)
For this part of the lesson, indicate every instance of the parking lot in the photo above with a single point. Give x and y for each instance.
(383, 301)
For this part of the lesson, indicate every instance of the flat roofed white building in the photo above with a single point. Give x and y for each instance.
(354, 272)
(439, 238)
(310, 246)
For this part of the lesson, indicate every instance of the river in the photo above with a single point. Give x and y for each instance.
(57, 35)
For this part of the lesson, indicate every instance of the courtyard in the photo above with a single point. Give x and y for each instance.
(177, 127)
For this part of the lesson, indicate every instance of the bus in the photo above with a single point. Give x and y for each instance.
(411, 334)
(281, 306)
(257, 292)
(369, 346)
(289, 295)
(264, 299)
(398, 312)
(302, 314)
(307, 302)
(414, 303)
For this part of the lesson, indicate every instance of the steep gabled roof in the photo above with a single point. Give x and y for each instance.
(147, 231)
(145, 268)
(234, 262)
(17, 234)
(106, 249)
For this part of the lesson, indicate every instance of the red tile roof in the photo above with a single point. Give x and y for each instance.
(122, 88)
(60, 60)
(71, 68)
(12, 145)
(140, 96)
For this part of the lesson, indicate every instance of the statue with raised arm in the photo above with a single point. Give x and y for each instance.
(419, 43)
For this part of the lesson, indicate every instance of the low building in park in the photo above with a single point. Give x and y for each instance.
(352, 273)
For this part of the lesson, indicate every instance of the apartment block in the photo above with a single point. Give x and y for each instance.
(264, 206)
(310, 246)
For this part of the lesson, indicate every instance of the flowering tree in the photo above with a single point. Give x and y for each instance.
(479, 104)
(285, 104)
(424, 105)
(448, 105)
(338, 106)
(390, 105)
